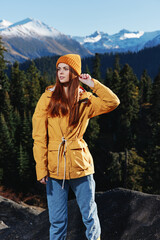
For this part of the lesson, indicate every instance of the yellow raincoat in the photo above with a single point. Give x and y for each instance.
(59, 149)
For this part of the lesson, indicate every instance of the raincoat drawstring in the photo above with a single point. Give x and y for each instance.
(64, 141)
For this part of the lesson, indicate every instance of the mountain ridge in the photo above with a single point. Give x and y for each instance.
(123, 41)
(31, 38)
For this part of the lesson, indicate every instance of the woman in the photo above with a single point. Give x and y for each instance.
(61, 154)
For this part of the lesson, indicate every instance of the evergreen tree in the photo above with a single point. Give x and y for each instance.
(8, 159)
(109, 76)
(132, 170)
(18, 89)
(117, 63)
(44, 82)
(145, 88)
(155, 100)
(26, 134)
(92, 132)
(144, 130)
(8, 112)
(34, 89)
(4, 81)
(152, 174)
(125, 169)
(93, 129)
(87, 70)
(96, 68)
(25, 178)
(116, 82)
(129, 107)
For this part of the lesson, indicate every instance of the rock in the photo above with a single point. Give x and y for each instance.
(124, 215)
(16, 220)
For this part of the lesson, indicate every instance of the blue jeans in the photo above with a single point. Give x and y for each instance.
(84, 189)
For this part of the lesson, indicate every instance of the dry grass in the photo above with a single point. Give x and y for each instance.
(29, 198)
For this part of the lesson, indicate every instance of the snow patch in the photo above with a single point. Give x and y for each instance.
(4, 24)
(110, 46)
(132, 35)
(92, 39)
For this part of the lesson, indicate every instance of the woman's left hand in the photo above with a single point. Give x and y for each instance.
(86, 79)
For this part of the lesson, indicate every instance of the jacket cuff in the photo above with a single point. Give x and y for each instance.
(41, 173)
(96, 84)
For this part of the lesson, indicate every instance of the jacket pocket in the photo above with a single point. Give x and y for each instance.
(80, 157)
(52, 157)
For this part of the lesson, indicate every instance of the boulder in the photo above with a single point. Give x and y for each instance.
(124, 215)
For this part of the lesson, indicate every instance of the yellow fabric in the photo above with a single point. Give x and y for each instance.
(48, 133)
(98, 238)
(73, 60)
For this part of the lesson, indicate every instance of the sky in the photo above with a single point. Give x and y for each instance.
(84, 17)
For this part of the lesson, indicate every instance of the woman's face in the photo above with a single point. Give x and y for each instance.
(63, 72)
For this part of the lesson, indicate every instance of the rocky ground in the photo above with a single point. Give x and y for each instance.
(124, 215)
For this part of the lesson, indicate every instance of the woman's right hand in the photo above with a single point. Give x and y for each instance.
(44, 180)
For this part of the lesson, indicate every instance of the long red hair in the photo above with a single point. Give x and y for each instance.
(62, 105)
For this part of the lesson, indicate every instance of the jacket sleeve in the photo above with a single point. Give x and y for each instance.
(39, 134)
(105, 101)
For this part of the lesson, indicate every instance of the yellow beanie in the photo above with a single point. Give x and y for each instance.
(73, 60)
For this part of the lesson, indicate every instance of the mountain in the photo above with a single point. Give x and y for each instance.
(123, 41)
(31, 38)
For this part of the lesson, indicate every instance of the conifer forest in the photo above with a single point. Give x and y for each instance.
(125, 143)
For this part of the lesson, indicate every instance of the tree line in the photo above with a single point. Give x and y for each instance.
(125, 143)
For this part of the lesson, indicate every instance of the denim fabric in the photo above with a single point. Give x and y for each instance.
(84, 189)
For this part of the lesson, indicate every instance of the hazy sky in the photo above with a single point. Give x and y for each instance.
(81, 18)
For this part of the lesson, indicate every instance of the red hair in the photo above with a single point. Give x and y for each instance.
(62, 105)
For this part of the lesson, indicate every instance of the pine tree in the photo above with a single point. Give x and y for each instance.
(129, 107)
(155, 100)
(125, 169)
(152, 174)
(26, 134)
(96, 68)
(116, 82)
(26, 143)
(145, 88)
(144, 130)
(18, 89)
(8, 112)
(34, 90)
(8, 159)
(92, 132)
(25, 177)
(44, 82)
(117, 63)
(93, 129)
(5, 107)
(4, 82)
(87, 70)
(109, 76)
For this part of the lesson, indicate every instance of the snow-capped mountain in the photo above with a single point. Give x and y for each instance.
(29, 28)
(123, 41)
(4, 24)
(31, 38)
